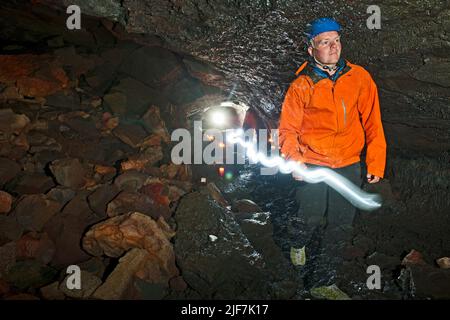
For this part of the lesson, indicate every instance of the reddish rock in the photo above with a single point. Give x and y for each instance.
(34, 75)
(13, 67)
(104, 170)
(5, 202)
(159, 193)
(134, 230)
(414, 257)
(36, 246)
(138, 164)
(109, 122)
(117, 235)
(35, 87)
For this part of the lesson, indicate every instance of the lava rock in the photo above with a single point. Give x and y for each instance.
(216, 194)
(153, 122)
(99, 199)
(425, 282)
(131, 180)
(89, 283)
(10, 122)
(383, 261)
(158, 192)
(10, 229)
(62, 195)
(132, 97)
(152, 65)
(228, 268)
(131, 201)
(444, 262)
(414, 257)
(258, 229)
(7, 257)
(69, 173)
(66, 229)
(120, 280)
(52, 292)
(5, 202)
(145, 159)
(134, 230)
(8, 170)
(30, 274)
(133, 135)
(37, 246)
(31, 183)
(95, 266)
(245, 205)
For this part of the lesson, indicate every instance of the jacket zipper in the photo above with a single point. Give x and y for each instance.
(345, 111)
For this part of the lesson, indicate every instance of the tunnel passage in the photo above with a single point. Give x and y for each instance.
(86, 120)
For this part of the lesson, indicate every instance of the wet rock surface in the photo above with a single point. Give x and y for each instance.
(230, 266)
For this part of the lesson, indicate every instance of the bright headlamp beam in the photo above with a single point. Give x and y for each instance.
(218, 118)
(343, 186)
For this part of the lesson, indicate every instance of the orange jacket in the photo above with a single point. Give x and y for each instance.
(327, 123)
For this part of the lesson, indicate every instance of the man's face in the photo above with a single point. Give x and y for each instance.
(327, 47)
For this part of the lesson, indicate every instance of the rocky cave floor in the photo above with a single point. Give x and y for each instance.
(85, 153)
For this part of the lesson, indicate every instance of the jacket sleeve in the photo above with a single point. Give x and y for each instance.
(369, 109)
(290, 123)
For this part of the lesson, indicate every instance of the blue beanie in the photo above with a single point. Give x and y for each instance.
(321, 25)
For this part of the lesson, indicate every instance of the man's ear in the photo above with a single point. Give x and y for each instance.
(310, 51)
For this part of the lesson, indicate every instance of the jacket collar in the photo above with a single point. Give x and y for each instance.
(310, 69)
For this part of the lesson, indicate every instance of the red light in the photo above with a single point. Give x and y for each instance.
(221, 171)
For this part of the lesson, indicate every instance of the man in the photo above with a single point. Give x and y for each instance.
(331, 110)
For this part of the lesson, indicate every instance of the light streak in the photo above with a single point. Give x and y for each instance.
(356, 196)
